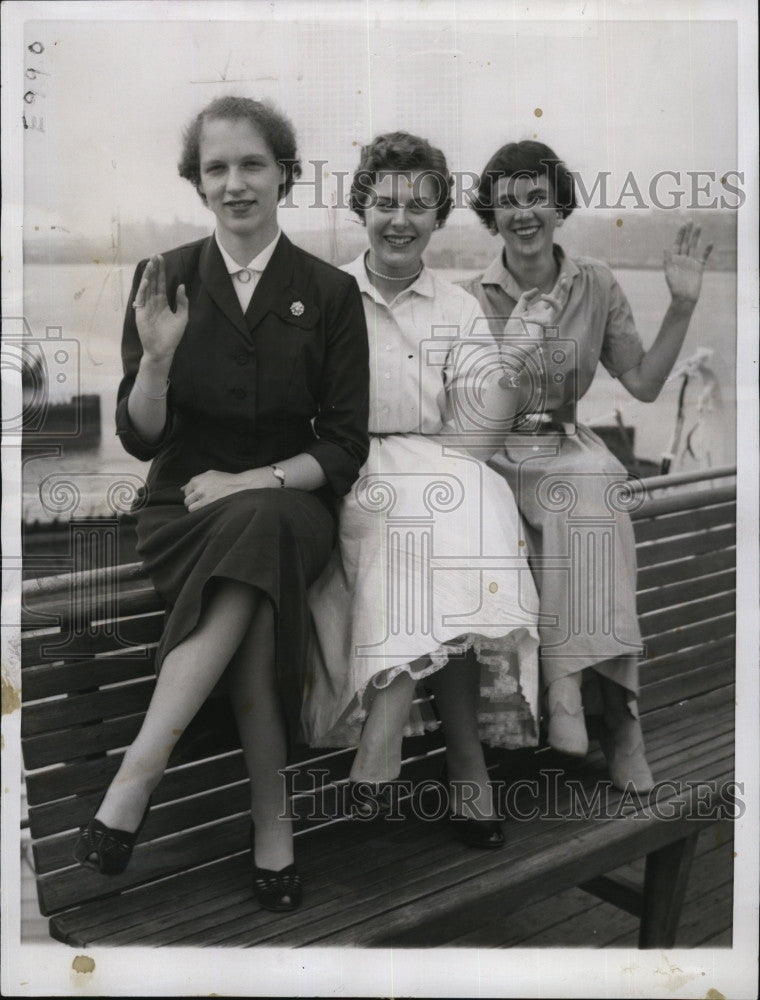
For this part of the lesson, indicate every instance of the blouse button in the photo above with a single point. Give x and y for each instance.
(387, 347)
(387, 374)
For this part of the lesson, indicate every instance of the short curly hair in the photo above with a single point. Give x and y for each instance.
(528, 158)
(274, 126)
(401, 151)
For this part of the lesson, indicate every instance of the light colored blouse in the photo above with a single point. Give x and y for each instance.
(597, 320)
(421, 344)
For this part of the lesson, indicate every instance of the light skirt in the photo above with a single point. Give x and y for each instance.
(431, 565)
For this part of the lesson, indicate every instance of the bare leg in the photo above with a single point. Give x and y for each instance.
(378, 757)
(256, 703)
(188, 675)
(567, 726)
(456, 690)
(623, 742)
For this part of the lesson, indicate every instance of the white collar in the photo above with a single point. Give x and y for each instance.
(258, 263)
(423, 285)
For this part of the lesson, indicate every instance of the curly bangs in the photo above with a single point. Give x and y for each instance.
(401, 151)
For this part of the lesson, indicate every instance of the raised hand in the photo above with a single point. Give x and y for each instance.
(160, 329)
(544, 310)
(685, 262)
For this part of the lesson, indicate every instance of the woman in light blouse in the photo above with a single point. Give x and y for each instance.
(525, 194)
(428, 581)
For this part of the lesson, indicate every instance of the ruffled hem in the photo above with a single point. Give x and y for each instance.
(513, 727)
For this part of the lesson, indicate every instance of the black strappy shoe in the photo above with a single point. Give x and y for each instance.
(277, 891)
(104, 849)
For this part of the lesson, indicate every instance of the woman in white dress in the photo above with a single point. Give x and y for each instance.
(429, 578)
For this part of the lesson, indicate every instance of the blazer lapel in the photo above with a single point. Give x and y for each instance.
(277, 277)
(218, 283)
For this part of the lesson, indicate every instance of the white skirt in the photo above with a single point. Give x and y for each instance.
(431, 564)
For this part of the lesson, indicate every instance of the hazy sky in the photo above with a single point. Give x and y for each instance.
(617, 95)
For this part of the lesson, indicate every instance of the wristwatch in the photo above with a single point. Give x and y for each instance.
(279, 474)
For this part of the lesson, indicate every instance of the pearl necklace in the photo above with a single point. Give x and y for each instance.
(390, 277)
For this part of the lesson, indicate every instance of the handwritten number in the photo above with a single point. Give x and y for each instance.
(31, 96)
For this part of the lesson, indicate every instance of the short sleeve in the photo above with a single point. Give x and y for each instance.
(131, 353)
(622, 348)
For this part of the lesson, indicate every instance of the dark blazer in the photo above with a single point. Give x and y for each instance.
(289, 376)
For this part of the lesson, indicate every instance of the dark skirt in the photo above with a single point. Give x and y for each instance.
(277, 540)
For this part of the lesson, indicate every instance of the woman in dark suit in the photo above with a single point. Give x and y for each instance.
(246, 383)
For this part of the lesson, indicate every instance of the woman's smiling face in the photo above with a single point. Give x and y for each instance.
(525, 215)
(400, 216)
(240, 178)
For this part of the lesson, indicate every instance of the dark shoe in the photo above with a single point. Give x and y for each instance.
(484, 833)
(279, 891)
(368, 800)
(106, 850)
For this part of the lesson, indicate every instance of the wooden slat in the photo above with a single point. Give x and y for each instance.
(71, 813)
(678, 593)
(119, 600)
(53, 748)
(681, 661)
(39, 589)
(73, 710)
(691, 568)
(49, 680)
(49, 647)
(658, 622)
(690, 635)
(660, 504)
(687, 523)
(687, 685)
(678, 548)
(703, 476)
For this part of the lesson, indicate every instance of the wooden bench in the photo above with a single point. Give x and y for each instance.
(87, 679)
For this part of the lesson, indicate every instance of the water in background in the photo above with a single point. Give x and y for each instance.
(88, 303)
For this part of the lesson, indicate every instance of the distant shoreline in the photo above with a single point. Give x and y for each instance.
(628, 241)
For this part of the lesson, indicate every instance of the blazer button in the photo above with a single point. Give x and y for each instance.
(238, 392)
(241, 357)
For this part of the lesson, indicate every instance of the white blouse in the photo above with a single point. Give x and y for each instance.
(421, 343)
